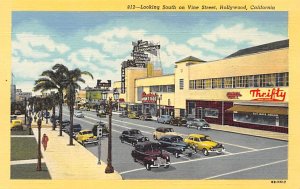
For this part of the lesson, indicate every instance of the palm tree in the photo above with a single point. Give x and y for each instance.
(73, 77)
(53, 79)
(54, 102)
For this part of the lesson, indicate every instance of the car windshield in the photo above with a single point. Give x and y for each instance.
(76, 126)
(177, 139)
(169, 130)
(206, 138)
(152, 147)
(79, 112)
(87, 132)
(200, 120)
(132, 132)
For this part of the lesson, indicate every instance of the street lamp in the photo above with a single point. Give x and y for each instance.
(39, 163)
(116, 97)
(159, 98)
(109, 168)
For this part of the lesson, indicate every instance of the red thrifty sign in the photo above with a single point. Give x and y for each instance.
(275, 94)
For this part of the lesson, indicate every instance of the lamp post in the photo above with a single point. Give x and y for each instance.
(39, 162)
(159, 97)
(109, 168)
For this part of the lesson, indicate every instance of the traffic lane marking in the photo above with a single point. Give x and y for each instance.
(245, 169)
(208, 158)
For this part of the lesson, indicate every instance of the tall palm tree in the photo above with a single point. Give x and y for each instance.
(54, 102)
(54, 79)
(73, 77)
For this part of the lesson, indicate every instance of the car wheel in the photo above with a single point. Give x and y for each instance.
(148, 167)
(164, 122)
(205, 152)
(166, 166)
(133, 144)
(199, 128)
(83, 144)
(176, 154)
(96, 143)
(154, 137)
(189, 154)
(122, 141)
(188, 126)
(134, 160)
(195, 148)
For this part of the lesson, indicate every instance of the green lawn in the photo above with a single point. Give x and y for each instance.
(23, 148)
(28, 171)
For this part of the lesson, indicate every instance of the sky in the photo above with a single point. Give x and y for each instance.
(99, 42)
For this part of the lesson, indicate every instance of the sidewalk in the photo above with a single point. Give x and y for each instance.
(252, 132)
(71, 162)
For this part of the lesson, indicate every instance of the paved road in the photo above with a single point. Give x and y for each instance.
(246, 157)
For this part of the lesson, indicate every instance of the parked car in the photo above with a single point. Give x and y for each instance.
(54, 118)
(175, 145)
(64, 123)
(18, 112)
(16, 124)
(105, 131)
(164, 119)
(145, 116)
(101, 113)
(76, 129)
(198, 124)
(162, 131)
(133, 136)
(13, 117)
(79, 114)
(85, 137)
(179, 121)
(204, 143)
(150, 155)
(124, 114)
(133, 115)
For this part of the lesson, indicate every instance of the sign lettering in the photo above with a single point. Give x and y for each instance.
(275, 94)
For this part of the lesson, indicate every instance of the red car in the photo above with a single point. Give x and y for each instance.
(150, 154)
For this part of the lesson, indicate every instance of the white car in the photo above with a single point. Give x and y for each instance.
(79, 114)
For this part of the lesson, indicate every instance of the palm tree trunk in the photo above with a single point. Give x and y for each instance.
(61, 97)
(46, 116)
(53, 118)
(71, 124)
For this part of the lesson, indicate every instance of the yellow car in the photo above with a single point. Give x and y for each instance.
(16, 124)
(133, 115)
(204, 143)
(86, 137)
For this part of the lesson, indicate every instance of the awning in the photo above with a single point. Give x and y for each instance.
(260, 109)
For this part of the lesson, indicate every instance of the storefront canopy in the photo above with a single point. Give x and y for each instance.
(259, 109)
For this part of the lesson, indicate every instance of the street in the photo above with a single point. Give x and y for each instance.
(246, 157)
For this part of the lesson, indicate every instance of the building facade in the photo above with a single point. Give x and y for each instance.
(246, 89)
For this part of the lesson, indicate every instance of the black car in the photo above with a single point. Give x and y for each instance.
(150, 155)
(175, 145)
(105, 131)
(133, 136)
(65, 123)
(76, 129)
(179, 121)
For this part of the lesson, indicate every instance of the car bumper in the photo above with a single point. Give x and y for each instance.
(158, 164)
(90, 141)
(217, 150)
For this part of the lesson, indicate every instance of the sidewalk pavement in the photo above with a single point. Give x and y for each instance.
(71, 162)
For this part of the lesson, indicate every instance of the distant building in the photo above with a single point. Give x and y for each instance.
(20, 96)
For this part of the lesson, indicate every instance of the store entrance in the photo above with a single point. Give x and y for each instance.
(200, 112)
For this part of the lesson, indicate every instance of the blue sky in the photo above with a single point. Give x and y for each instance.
(98, 42)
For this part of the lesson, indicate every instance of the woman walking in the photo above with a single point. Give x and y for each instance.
(45, 140)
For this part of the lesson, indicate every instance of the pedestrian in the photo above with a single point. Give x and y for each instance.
(45, 140)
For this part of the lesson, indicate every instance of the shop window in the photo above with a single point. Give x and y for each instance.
(282, 79)
(256, 118)
(241, 81)
(211, 112)
(181, 84)
(191, 108)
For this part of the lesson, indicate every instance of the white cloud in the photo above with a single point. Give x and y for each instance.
(112, 39)
(240, 33)
(34, 46)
